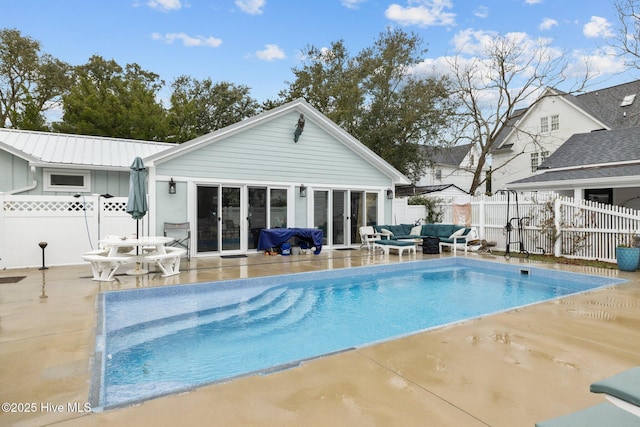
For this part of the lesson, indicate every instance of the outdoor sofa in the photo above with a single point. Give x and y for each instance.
(450, 235)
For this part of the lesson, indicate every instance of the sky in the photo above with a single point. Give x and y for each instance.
(256, 43)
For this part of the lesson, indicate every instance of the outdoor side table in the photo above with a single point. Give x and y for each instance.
(430, 245)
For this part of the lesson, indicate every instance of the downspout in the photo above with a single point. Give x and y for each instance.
(33, 185)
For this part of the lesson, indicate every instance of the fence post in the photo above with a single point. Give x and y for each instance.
(557, 212)
(483, 221)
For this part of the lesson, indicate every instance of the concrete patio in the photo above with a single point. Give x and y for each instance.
(509, 369)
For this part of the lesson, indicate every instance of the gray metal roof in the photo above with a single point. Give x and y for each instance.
(56, 149)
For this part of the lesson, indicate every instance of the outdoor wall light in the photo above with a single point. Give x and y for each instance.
(303, 190)
(172, 186)
(389, 193)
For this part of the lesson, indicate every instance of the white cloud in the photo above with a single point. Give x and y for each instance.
(252, 7)
(597, 27)
(481, 12)
(352, 4)
(599, 63)
(165, 5)
(423, 13)
(533, 1)
(547, 24)
(187, 40)
(271, 52)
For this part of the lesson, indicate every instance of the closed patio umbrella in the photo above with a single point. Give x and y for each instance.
(137, 202)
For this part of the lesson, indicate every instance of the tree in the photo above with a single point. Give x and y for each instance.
(199, 107)
(491, 88)
(378, 97)
(627, 41)
(106, 100)
(30, 82)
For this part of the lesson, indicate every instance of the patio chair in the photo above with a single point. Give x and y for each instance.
(623, 390)
(368, 236)
(183, 238)
(602, 414)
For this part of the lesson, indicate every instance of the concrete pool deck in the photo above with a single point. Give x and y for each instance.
(508, 369)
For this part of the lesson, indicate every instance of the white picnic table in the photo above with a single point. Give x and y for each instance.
(122, 250)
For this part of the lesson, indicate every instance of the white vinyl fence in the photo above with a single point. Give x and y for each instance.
(548, 223)
(69, 225)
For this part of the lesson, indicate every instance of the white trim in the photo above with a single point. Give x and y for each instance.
(48, 186)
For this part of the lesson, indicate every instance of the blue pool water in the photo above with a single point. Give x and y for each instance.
(161, 340)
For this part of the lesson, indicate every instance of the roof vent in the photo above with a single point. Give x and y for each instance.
(628, 100)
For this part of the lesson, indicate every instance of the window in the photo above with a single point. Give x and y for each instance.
(543, 156)
(67, 180)
(278, 208)
(544, 124)
(555, 122)
(534, 162)
(438, 174)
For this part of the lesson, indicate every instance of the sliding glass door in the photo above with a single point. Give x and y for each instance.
(219, 224)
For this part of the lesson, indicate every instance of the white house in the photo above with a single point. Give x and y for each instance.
(227, 185)
(602, 166)
(451, 166)
(537, 132)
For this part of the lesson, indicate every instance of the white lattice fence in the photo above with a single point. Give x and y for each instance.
(69, 225)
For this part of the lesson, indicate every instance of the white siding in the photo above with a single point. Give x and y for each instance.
(268, 153)
(518, 158)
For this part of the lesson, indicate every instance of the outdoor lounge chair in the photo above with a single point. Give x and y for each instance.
(398, 245)
(623, 390)
(601, 415)
(368, 236)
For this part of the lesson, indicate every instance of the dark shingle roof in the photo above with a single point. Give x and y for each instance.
(450, 156)
(583, 173)
(603, 104)
(598, 147)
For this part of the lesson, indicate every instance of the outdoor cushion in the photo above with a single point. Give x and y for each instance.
(396, 229)
(604, 414)
(624, 386)
(393, 243)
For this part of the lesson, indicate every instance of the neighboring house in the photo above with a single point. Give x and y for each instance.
(537, 132)
(450, 166)
(443, 191)
(602, 166)
(228, 184)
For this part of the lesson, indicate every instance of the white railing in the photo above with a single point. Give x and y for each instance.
(551, 224)
(69, 225)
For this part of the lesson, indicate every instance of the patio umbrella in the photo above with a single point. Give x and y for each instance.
(137, 202)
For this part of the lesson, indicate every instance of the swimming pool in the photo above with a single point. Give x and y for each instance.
(157, 341)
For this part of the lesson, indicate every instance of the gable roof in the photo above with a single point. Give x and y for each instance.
(310, 114)
(66, 150)
(604, 154)
(597, 147)
(604, 105)
(448, 156)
